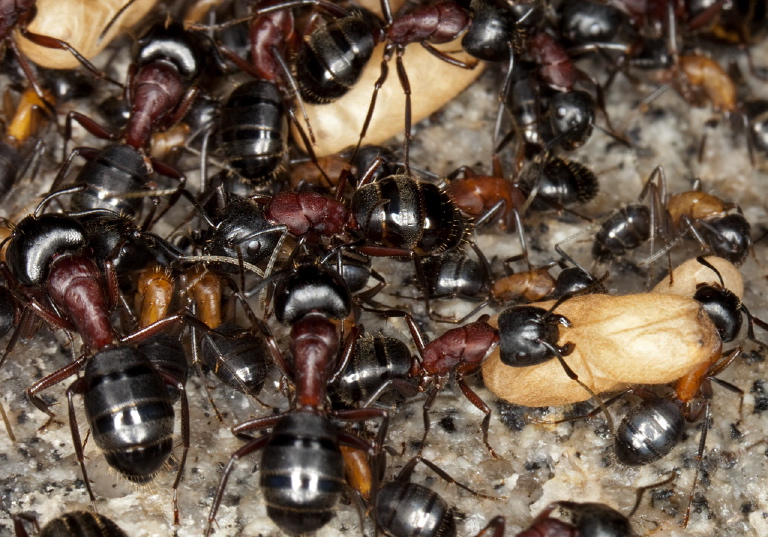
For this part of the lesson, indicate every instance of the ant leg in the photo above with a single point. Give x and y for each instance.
(405, 475)
(497, 524)
(87, 153)
(369, 116)
(408, 138)
(573, 376)
(51, 380)
(54, 43)
(447, 58)
(591, 414)
(699, 461)
(254, 445)
(346, 356)
(709, 126)
(7, 423)
(196, 361)
(78, 387)
(88, 124)
(481, 405)
(641, 490)
(425, 415)
(27, 69)
(172, 381)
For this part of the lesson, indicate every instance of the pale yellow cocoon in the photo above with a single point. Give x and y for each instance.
(648, 338)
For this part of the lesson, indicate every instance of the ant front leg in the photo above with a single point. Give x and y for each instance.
(565, 351)
(172, 173)
(497, 525)
(58, 44)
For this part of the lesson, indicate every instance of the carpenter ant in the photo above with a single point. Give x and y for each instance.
(252, 127)
(579, 520)
(717, 225)
(404, 509)
(428, 25)
(303, 441)
(570, 111)
(239, 356)
(460, 351)
(72, 524)
(328, 62)
(655, 426)
(323, 77)
(632, 225)
(123, 380)
(561, 519)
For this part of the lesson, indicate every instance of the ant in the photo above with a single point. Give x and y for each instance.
(428, 25)
(404, 508)
(251, 128)
(120, 378)
(72, 524)
(651, 429)
(718, 226)
(303, 440)
(575, 519)
(455, 274)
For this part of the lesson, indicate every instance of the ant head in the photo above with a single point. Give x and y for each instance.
(722, 305)
(36, 240)
(529, 335)
(572, 118)
(311, 287)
